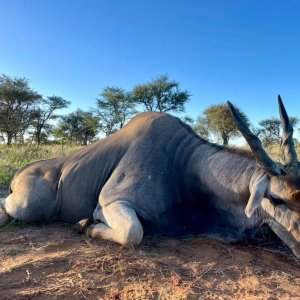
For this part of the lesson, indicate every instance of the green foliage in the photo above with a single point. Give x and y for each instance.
(218, 120)
(114, 107)
(43, 113)
(79, 127)
(201, 127)
(24, 114)
(269, 130)
(14, 157)
(161, 95)
(16, 102)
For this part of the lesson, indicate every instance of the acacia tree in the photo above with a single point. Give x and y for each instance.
(16, 101)
(201, 127)
(270, 130)
(19, 136)
(77, 127)
(44, 112)
(217, 119)
(161, 94)
(114, 107)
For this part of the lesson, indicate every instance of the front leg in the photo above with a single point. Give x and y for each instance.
(120, 224)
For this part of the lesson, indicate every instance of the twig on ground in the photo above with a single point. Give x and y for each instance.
(68, 266)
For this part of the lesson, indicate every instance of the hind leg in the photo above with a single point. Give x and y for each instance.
(120, 224)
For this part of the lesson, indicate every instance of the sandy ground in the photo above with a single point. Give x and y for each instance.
(54, 262)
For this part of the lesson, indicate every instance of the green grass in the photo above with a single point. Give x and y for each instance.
(15, 157)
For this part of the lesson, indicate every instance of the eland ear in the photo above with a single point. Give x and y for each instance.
(257, 193)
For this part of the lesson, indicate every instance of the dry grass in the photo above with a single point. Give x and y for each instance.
(276, 153)
(15, 157)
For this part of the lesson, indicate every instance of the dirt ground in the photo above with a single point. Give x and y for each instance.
(54, 262)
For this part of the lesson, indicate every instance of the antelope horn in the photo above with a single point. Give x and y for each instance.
(287, 141)
(255, 144)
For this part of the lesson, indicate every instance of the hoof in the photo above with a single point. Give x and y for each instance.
(82, 225)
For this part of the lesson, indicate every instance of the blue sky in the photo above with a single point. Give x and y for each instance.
(245, 51)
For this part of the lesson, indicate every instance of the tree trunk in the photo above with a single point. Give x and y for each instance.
(38, 140)
(9, 139)
(85, 140)
(38, 136)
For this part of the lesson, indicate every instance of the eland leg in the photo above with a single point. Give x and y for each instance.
(119, 224)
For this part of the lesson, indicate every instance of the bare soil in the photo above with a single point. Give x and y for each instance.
(54, 262)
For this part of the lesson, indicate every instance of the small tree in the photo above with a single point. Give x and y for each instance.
(16, 102)
(217, 119)
(161, 95)
(78, 127)
(270, 130)
(198, 126)
(44, 112)
(90, 127)
(62, 133)
(201, 127)
(114, 108)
